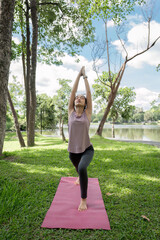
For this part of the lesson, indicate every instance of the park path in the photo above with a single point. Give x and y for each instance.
(153, 143)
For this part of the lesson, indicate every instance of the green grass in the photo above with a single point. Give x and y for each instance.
(29, 178)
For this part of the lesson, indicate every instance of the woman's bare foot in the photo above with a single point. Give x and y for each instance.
(83, 205)
(77, 181)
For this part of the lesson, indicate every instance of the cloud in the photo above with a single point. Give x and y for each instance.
(47, 75)
(16, 40)
(134, 19)
(110, 23)
(144, 97)
(137, 42)
(16, 70)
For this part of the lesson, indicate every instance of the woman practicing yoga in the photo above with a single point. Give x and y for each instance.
(80, 148)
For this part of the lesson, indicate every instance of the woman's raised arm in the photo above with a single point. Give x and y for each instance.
(73, 93)
(89, 96)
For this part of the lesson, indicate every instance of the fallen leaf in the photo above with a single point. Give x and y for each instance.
(109, 194)
(145, 218)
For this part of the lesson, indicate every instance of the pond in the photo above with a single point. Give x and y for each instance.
(124, 132)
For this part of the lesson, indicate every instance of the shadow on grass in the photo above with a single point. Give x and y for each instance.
(129, 171)
(115, 169)
(44, 141)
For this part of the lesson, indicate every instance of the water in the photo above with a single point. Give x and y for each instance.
(124, 132)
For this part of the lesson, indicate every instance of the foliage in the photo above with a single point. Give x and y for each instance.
(16, 90)
(158, 68)
(45, 112)
(96, 117)
(29, 179)
(61, 100)
(59, 29)
(16, 50)
(122, 104)
(102, 88)
(138, 115)
(108, 9)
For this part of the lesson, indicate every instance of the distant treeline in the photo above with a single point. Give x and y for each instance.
(138, 116)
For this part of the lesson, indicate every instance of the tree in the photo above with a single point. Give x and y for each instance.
(154, 113)
(17, 93)
(122, 105)
(16, 102)
(6, 20)
(102, 88)
(57, 29)
(62, 104)
(17, 127)
(138, 115)
(45, 112)
(148, 116)
(116, 11)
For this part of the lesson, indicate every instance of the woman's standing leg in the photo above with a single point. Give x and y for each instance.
(75, 159)
(82, 170)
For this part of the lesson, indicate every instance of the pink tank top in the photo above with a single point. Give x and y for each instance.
(78, 133)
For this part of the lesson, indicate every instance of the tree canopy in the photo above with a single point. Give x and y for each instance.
(62, 28)
(108, 9)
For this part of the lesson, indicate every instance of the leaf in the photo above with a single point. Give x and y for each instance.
(145, 218)
(109, 194)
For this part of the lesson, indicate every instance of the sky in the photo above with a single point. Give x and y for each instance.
(140, 72)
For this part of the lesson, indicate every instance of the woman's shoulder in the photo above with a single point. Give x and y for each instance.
(88, 115)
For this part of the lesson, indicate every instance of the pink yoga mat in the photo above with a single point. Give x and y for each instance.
(63, 212)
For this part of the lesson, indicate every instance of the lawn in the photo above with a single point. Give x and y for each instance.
(29, 178)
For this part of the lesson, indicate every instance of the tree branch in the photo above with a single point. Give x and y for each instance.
(104, 83)
(127, 60)
(27, 4)
(117, 77)
(100, 79)
(149, 28)
(122, 44)
(121, 75)
(51, 3)
(21, 8)
(108, 56)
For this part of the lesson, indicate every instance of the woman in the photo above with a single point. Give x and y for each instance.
(80, 148)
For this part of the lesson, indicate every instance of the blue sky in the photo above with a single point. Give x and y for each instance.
(140, 73)
(144, 76)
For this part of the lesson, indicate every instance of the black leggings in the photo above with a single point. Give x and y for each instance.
(81, 161)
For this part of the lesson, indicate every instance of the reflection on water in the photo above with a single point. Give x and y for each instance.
(132, 132)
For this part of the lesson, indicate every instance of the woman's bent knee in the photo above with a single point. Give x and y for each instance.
(81, 170)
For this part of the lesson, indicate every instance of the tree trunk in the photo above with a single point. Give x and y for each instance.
(28, 66)
(32, 87)
(62, 133)
(19, 135)
(41, 117)
(23, 46)
(113, 131)
(108, 55)
(102, 122)
(111, 98)
(6, 21)
(60, 125)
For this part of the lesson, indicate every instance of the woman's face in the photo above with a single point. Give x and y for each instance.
(79, 101)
